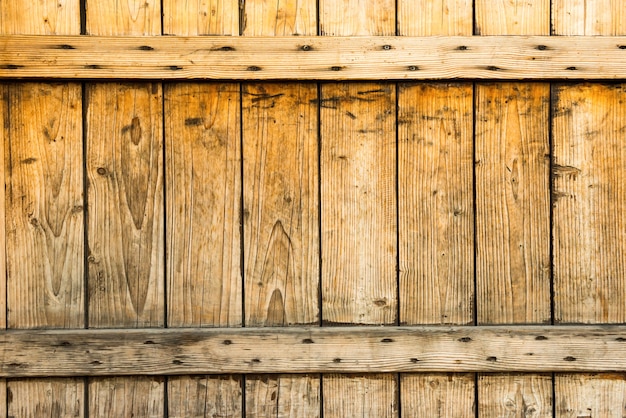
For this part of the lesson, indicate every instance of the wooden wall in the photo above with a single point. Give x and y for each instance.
(224, 204)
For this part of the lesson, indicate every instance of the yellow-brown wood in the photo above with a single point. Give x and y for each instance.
(512, 192)
(124, 164)
(44, 179)
(437, 395)
(51, 397)
(512, 203)
(126, 397)
(589, 227)
(513, 396)
(281, 206)
(435, 18)
(312, 58)
(42, 215)
(200, 17)
(203, 187)
(590, 395)
(370, 395)
(436, 216)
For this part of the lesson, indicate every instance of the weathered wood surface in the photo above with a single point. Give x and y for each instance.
(153, 351)
(281, 208)
(313, 58)
(204, 396)
(437, 395)
(42, 215)
(125, 227)
(369, 395)
(513, 396)
(589, 225)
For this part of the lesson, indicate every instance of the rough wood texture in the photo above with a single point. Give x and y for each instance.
(435, 18)
(204, 396)
(43, 17)
(281, 204)
(436, 216)
(359, 213)
(44, 183)
(279, 17)
(357, 17)
(590, 395)
(52, 397)
(179, 351)
(4, 137)
(126, 397)
(512, 203)
(313, 58)
(437, 395)
(123, 17)
(371, 395)
(512, 17)
(203, 160)
(588, 17)
(513, 396)
(283, 396)
(200, 17)
(589, 203)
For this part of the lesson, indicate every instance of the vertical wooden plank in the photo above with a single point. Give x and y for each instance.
(4, 137)
(281, 221)
(515, 396)
(436, 207)
(590, 395)
(125, 217)
(359, 213)
(361, 396)
(512, 164)
(42, 212)
(589, 169)
(438, 395)
(203, 186)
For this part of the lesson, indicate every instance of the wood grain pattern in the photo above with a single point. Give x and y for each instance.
(313, 58)
(513, 396)
(512, 203)
(435, 18)
(590, 226)
(371, 395)
(123, 17)
(589, 165)
(44, 179)
(51, 397)
(350, 349)
(283, 396)
(126, 397)
(42, 215)
(200, 17)
(204, 396)
(281, 207)
(203, 160)
(436, 216)
(437, 395)
(124, 163)
(281, 204)
(357, 17)
(512, 17)
(358, 213)
(590, 395)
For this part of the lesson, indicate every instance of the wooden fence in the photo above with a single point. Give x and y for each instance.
(447, 174)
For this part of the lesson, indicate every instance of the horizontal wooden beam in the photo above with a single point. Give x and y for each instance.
(313, 58)
(313, 350)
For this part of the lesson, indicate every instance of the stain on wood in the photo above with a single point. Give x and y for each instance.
(51, 397)
(204, 396)
(512, 396)
(283, 396)
(126, 397)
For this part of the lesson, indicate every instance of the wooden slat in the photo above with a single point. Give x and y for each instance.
(153, 351)
(437, 395)
(42, 215)
(436, 208)
(370, 395)
(590, 395)
(281, 208)
(313, 58)
(512, 197)
(125, 228)
(512, 396)
(203, 195)
(589, 169)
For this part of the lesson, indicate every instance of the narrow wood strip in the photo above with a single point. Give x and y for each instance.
(313, 58)
(153, 351)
